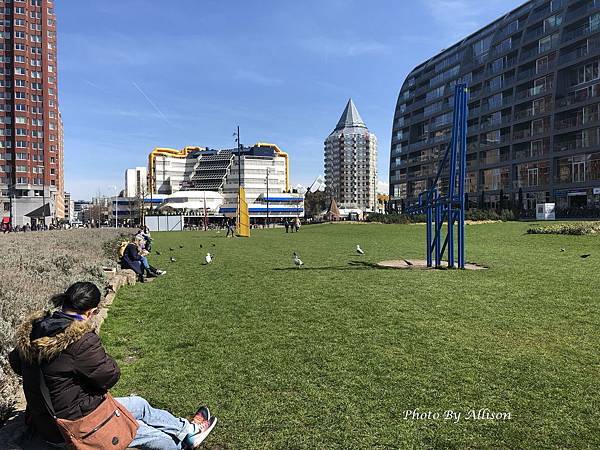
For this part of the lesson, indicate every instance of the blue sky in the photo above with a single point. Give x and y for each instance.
(137, 74)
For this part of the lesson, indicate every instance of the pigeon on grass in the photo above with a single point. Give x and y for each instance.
(297, 261)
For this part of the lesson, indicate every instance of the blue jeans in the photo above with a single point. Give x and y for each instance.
(145, 262)
(159, 429)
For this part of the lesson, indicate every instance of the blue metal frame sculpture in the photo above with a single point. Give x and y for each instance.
(450, 206)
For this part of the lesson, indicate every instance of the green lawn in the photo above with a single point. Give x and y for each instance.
(333, 354)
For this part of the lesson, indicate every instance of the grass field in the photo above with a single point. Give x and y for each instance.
(333, 354)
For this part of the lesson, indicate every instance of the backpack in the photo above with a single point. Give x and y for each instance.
(122, 248)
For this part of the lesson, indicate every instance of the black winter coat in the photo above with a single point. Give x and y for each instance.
(77, 370)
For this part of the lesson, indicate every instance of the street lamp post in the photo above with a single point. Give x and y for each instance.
(116, 206)
(268, 173)
(11, 194)
(239, 152)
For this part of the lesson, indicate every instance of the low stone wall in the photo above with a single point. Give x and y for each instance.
(14, 434)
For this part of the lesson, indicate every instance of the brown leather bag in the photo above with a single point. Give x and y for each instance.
(109, 426)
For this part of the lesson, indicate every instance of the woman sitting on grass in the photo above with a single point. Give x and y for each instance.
(78, 373)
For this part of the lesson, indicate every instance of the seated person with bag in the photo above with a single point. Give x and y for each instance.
(66, 376)
(135, 258)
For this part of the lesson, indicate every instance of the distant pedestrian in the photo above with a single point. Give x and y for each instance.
(297, 224)
(230, 228)
(287, 226)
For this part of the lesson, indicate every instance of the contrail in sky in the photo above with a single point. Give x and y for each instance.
(152, 103)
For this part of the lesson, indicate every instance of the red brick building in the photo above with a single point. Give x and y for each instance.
(31, 135)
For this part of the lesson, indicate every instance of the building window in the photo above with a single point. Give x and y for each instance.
(587, 73)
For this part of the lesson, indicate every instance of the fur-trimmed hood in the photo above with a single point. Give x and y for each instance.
(47, 347)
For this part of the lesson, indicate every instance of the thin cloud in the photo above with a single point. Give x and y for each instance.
(342, 47)
(156, 108)
(257, 78)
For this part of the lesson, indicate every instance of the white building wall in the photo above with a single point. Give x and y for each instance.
(171, 172)
(135, 181)
(254, 178)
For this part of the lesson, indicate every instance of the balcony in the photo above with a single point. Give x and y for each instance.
(576, 144)
(580, 32)
(530, 73)
(498, 86)
(535, 51)
(534, 91)
(581, 10)
(502, 121)
(540, 14)
(580, 96)
(537, 33)
(506, 101)
(487, 144)
(501, 49)
(581, 52)
(398, 178)
(532, 112)
(577, 121)
(522, 134)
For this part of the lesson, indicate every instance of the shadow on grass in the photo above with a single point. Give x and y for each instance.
(352, 265)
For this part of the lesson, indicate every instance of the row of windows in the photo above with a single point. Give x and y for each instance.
(21, 132)
(23, 120)
(24, 108)
(21, 10)
(23, 83)
(26, 157)
(35, 50)
(32, 26)
(31, 2)
(24, 180)
(25, 144)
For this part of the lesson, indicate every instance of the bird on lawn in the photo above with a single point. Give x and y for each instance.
(562, 249)
(200, 245)
(297, 261)
(173, 259)
(181, 246)
(208, 258)
(359, 250)
(157, 252)
(213, 244)
(586, 255)
(171, 248)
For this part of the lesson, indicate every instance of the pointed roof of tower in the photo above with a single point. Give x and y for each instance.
(350, 117)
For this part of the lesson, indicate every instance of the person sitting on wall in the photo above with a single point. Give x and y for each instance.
(67, 374)
(144, 233)
(132, 259)
(144, 252)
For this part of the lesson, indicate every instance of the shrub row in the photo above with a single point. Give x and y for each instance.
(36, 265)
(472, 214)
(575, 228)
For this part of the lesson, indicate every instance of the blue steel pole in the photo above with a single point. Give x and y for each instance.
(429, 220)
(462, 175)
(457, 116)
(438, 228)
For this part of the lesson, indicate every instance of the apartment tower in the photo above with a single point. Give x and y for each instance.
(351, 162)
(31, 135)
(534, 112)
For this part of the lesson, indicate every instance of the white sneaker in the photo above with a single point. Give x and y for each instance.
(201, 432)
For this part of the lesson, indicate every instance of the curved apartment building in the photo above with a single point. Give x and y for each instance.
(534, 111)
